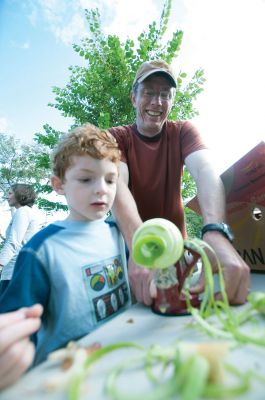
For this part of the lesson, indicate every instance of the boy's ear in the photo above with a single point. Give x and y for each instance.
(57, 184)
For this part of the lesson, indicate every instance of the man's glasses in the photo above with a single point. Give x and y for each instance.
(163, 94)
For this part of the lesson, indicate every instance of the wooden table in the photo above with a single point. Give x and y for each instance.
(140, 325)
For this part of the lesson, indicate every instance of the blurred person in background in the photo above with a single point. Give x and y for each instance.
(24, 224)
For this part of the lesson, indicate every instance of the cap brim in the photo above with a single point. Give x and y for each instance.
(155, 71)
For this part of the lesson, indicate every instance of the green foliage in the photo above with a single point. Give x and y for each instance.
(50, 205)
(193, 220)
(188, 186)
(50, 138)
(194, 223)
(2, 242)
(46, 142)
(184, 108)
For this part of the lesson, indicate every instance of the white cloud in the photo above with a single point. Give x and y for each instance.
(90, 4)
(75, 29)
(25, 45)
(64, 19)
(127, 20)
(21, 45)
(33, 15)
(4, 125)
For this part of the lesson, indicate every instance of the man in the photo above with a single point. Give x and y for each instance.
(154, 151)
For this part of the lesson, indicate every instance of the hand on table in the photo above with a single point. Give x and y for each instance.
(142, 283)
(16, 350)
(236, 271)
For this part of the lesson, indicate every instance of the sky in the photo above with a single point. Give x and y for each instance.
(224, 37)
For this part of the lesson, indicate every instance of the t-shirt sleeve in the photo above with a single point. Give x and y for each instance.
(121, 136)
(29, 284)
(191, 139)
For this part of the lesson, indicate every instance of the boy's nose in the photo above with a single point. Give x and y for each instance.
(101, 187)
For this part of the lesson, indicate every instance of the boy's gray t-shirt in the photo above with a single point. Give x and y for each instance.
(78, 271)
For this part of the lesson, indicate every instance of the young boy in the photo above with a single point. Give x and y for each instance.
(75, 268)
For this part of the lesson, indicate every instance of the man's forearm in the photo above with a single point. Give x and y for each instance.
(126, 212)
(211, 196)
(210, 189)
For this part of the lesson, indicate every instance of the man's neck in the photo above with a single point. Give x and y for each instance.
(148, 133)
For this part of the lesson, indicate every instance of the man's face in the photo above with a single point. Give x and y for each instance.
(152, 101)
(89, 187)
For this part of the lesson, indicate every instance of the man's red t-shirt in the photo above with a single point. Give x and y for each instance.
(156, 165)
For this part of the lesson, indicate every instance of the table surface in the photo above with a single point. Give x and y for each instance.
(139, 325)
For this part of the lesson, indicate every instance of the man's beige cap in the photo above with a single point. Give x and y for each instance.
(152, 67)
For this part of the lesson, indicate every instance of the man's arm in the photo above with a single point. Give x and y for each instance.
(211, 196)
(128, 219)
(125, 208)
(210, 189)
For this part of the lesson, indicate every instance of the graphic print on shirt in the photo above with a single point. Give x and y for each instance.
(107, 287)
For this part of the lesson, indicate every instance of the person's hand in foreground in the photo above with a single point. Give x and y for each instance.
(16, 350)
(142, 283)
(236, 271)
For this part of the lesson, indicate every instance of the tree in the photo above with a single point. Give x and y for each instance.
(18, 164)
(99, 92)
(46, 142)
(193, 220)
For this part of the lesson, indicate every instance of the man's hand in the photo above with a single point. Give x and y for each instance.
(236, 271)
(142, 283)
(16, 350)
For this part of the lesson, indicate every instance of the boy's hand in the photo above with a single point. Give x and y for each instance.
(16, 350)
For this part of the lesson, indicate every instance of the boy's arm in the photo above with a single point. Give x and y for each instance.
(129, 220)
